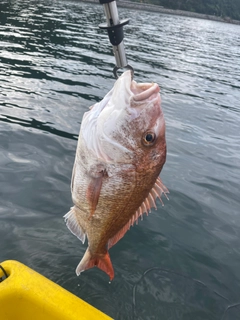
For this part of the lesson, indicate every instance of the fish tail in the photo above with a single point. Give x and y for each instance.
(102, 261)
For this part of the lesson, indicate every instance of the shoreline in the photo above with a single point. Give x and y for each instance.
(160, 9)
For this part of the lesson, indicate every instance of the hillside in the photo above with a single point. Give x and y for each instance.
(221, 8)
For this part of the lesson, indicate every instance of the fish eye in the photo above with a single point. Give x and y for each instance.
(149, 138)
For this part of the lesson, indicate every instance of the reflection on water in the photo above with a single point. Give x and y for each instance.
(181, 262)
(46, 126)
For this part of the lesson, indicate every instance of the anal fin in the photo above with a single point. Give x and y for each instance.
(73, 224)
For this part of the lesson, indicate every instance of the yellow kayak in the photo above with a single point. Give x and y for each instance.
(27, 295)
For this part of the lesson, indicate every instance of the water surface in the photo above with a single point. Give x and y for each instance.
(181, 262)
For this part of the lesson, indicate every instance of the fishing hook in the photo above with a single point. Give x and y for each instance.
(128, 67)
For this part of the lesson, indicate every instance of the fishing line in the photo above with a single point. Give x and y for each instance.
(236, 305)
(183, 276)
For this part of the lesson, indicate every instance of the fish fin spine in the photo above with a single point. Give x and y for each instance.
(73, 224)
(156, 192)
(103, 262)
(164, 190)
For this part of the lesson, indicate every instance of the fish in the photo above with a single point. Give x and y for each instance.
(120, 153)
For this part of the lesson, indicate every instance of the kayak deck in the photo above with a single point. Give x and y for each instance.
(27, 295)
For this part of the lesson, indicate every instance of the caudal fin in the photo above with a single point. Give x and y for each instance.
(103, 262)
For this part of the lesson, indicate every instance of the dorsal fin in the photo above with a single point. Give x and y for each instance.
(157, 190)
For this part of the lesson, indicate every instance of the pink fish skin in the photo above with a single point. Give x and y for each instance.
(120, 153)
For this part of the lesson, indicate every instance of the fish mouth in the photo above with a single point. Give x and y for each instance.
(126, 91)
(144, 91)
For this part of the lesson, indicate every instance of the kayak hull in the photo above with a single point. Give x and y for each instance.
(25, 295)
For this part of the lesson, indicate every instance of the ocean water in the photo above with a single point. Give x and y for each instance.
(183, 260)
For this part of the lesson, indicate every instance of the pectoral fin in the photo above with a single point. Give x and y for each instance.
(94, 190)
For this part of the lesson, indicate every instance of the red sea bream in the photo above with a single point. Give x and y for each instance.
(120, 153)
